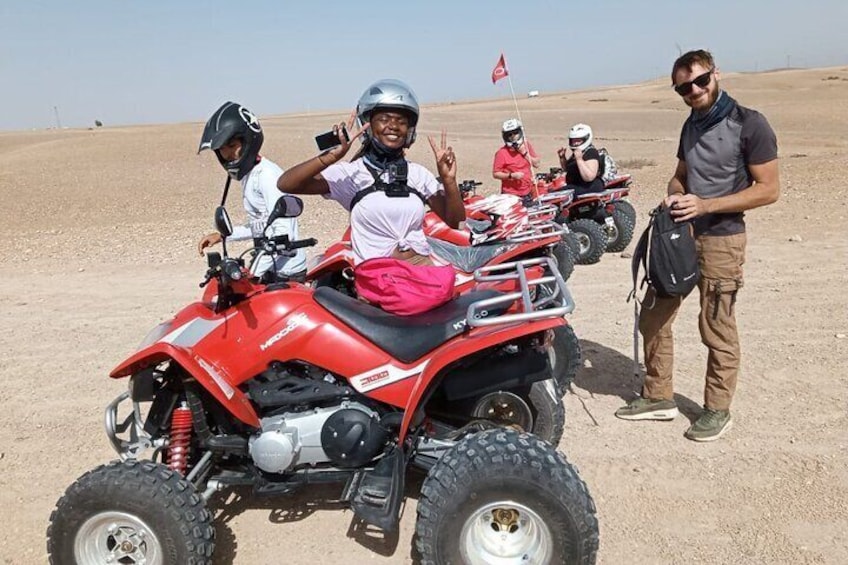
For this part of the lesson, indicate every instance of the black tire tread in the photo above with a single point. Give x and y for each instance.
(597, 240)
(500, 456)
(568, 356)
(548, 413)
(624, 216)
(153, 483)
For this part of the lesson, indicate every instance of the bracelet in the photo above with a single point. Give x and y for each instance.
(320, 160)
(509, 176)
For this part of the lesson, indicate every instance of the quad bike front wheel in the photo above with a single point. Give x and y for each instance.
(564, 259)
(624, 224)
(539, 410)
(565, 356)
(592, 240)
(130, 512)
(503, 497)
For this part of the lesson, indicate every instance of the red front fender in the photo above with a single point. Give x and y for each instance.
(210, 377)
(477, 340)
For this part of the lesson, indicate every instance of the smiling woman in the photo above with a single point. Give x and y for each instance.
(384, 193)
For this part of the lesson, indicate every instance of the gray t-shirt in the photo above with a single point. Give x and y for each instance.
(717, 161)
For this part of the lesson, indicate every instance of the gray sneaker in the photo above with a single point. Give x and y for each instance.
(648, 409)
(710, 425)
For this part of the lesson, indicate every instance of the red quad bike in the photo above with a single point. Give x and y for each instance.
(499, 229)
(276, 386)
(602, 221)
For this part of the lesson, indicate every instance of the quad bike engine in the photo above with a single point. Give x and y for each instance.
(346, 435)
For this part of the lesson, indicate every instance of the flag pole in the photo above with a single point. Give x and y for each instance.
(526, 138)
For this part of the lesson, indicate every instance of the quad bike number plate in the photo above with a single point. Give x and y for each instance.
(609, 221)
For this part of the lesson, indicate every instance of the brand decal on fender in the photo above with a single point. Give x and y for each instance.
(384, 375)
(291, 325)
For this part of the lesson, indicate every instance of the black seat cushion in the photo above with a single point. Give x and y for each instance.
(406, 338)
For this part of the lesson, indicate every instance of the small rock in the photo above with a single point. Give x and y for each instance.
(636, 470)
(796, 238)
(626, 255)
(841, 336)
(81, 269)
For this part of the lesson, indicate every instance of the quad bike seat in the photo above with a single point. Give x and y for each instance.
(405, 338)
(466, 258)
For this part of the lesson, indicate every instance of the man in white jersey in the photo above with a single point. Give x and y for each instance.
(234, 133)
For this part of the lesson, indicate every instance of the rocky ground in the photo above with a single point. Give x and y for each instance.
(100, 229)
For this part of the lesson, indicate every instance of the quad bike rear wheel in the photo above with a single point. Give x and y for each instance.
(539, 410)
(130, 512)
(592, 240)
(624, 224)
(503, 497)
(565, 356)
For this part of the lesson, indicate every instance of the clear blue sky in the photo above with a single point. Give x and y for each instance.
(128, 62)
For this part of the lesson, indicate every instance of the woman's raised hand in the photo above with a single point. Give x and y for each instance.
(445, 157)
(339, 151)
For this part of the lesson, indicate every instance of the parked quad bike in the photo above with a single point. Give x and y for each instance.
(499, 229)
(277, 386)
(602, 222)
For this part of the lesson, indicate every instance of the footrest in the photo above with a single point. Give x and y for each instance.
(379, 494)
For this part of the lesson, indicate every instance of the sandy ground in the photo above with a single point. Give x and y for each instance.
(99, 231)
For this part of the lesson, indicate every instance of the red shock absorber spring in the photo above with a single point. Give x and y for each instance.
(178, 450)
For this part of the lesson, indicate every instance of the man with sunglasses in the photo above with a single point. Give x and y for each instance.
(727, 164)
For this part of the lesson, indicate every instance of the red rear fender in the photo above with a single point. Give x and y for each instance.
(476, 340)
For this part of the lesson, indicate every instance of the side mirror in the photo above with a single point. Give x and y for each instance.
(287, 206)
(222, 222)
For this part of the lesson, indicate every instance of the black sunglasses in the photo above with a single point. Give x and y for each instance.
(701, 81)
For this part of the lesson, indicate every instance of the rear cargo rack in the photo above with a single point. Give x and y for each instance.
(536, 230)
(538, 298)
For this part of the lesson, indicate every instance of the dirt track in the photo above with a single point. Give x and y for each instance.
(100, 229)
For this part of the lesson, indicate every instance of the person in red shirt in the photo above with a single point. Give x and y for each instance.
(513, 160)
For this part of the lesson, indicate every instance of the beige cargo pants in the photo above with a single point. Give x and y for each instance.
(720, 259)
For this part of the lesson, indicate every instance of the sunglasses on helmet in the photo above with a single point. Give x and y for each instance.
(701, 81)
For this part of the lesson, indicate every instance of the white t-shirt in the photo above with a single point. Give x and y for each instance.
(379, 223)
(260, 193)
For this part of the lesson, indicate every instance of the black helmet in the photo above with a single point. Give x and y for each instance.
(229, 121)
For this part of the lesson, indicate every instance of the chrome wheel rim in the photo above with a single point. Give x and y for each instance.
(505, 408)
(116, 537)
(583, 242)
(505, 532)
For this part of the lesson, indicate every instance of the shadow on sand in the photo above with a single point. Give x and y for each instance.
(608, 372)
(300, 506)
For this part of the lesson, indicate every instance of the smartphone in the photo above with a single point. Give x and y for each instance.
(330, 139)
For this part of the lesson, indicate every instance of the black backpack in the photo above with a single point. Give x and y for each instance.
(667, 252)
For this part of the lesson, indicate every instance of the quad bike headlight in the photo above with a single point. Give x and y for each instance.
(155, 334)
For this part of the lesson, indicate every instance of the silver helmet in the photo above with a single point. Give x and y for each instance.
(389, 94)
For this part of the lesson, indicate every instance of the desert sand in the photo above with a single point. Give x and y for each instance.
(99, 231)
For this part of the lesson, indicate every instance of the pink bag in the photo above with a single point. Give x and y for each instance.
(402, 288)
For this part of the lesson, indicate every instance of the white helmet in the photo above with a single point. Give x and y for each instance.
(389, 94)
(509, 128)
(580, 137)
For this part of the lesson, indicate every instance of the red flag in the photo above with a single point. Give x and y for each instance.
(500, 70)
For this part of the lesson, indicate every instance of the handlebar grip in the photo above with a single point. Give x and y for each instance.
(308, 242)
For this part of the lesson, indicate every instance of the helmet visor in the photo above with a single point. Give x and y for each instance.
(577, 141)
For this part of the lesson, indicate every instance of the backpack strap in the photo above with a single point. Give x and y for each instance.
(640, 258)
(397, 188)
